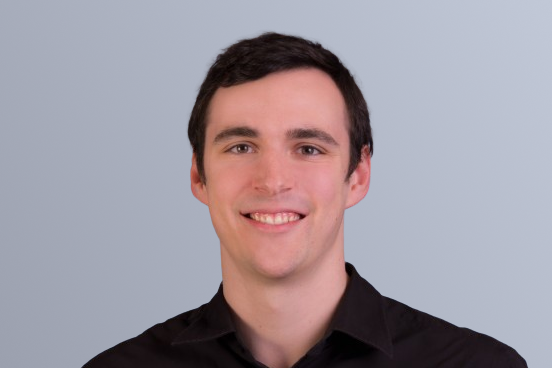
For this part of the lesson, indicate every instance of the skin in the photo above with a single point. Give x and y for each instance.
(280, 145)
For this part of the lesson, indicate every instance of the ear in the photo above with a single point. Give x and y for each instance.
(359, 181)
(199, 189)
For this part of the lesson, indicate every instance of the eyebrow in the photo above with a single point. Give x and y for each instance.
(302, 133)
(240, 131)
(298, 133)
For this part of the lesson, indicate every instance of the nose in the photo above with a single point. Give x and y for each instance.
(273, 174)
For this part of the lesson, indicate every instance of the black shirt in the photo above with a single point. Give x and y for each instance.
(368, 330)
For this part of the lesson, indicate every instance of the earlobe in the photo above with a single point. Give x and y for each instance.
(359, 181)
(197, 184)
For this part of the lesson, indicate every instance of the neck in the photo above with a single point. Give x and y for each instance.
(280, 320)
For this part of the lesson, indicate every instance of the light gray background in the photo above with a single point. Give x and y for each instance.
(101, 237)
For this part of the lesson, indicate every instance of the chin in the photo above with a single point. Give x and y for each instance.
(277, 269)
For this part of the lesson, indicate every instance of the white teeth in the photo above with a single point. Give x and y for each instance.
(275, 218)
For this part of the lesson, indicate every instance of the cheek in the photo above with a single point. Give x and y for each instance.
(225, 185)
(325, 183)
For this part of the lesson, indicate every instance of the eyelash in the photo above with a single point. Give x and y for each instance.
(301, 149)
(234, 148)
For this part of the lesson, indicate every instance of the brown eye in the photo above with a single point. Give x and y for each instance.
(241, 148)
(309, 150)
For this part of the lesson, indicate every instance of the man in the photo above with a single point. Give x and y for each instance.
(282, 144)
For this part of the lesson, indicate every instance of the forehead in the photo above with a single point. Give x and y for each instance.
(299, 97)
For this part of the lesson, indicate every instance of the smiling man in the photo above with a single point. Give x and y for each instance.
(282, 145)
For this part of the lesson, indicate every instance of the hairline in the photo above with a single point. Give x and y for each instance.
(299, 67)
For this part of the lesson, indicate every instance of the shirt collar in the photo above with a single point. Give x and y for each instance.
(360, 315)
(212, 320)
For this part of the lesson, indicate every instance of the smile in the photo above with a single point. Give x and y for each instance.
(275, 218)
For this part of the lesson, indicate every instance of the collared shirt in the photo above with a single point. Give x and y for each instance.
(368, 330)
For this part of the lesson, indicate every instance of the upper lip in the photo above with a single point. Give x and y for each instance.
(273, 211)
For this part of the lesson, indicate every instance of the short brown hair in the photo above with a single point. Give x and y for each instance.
(251, 59)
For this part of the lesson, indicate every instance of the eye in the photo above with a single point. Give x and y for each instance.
(309, 151)
(241, 148)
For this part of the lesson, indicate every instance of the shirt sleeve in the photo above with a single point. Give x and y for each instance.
(506, 357)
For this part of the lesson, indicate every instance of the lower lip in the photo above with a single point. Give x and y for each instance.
(273, 228)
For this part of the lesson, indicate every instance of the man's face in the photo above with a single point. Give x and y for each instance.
(276, 158)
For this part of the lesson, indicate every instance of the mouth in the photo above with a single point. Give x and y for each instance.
(278, 218)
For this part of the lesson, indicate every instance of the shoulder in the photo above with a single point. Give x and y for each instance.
(147, 348)
(442, 343)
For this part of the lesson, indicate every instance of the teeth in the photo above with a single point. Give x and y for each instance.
(275, 218)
